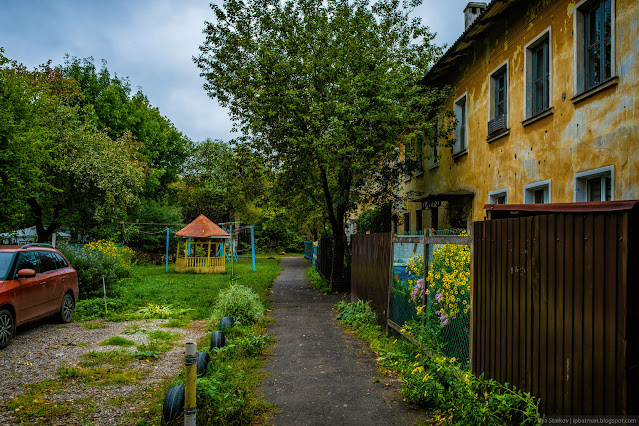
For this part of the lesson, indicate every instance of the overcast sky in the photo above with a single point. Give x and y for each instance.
(151, 42)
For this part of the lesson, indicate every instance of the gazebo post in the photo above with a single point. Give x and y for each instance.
(208, 256)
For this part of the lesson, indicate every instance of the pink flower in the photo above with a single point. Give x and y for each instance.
(438, 297)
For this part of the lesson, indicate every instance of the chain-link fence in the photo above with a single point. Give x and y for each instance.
(406, 257)
(449, 296)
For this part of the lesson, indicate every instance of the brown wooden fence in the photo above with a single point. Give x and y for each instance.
(370, 271)
(553, 309)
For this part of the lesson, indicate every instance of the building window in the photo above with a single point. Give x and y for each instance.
(595, 185)
(407, 223)
(498, 197)
(537, 193)
(594, 43)
(408, 154)
(498, 119)
(419, 157)
(538, 72)
(460, 130)
(433, 161)
(419, 224)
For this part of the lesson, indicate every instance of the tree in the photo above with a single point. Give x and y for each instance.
(56, 167)
(325, 88)
(221, 181)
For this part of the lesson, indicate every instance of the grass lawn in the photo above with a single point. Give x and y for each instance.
(153, 293)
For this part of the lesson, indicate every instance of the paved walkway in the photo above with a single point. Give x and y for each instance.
(320, 374)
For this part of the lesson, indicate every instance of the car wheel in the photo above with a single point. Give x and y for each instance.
(66, 309)
(173, 403)
(7, 327)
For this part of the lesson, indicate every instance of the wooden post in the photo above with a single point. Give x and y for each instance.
(190, 364)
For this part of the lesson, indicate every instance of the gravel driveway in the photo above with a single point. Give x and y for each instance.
(32, 361)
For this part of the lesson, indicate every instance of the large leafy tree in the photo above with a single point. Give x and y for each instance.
(56, 167)
(326, 88)
(221, 182)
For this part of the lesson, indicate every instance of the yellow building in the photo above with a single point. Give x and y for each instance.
(546, 98)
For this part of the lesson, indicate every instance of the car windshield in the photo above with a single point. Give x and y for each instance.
(6, 259)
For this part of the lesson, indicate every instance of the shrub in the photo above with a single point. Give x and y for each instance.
(240, 303)
(357, 314)
(96, 261)
(317, 281)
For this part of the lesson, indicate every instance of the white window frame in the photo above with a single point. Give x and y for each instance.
(492, 195)
(581, 179)
(579, 58)
(463, 99)
(491, 87)
(528, 66)
(529, 191)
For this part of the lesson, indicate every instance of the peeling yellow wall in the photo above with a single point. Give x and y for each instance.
(599, 131)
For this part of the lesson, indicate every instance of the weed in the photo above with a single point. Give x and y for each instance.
(115, 357)
(239, 302)
(117, 341)
(94, 325)
(165, 336)
(177, 323)
(317, 281)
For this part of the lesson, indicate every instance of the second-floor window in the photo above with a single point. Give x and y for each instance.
(598, 26)
(538, 61)
(595, 29)
(460, 130)
(499, 101)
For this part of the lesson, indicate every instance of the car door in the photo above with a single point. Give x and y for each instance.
(30, 297)
(53, 280)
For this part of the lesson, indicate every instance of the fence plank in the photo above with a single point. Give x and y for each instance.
(517, 317)
(500, 303)
(493, 302)
(569, 302)
(598, 314)
(578, 318)
(529, 301)
(510, 320)
(560, 325)
(588, 314)
(622, 279)
(551, 323)
(542, 352)
(536, 324)
(610, 320)
(370, 266)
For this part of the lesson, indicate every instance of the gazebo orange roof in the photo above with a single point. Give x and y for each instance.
(202, 227)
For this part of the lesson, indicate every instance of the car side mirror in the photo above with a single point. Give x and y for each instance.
(26, 273)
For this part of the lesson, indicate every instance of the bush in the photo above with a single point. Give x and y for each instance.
(317, 281)
(356, 315)
(96, 261)
(240, 303)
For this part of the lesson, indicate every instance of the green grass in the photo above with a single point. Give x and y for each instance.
(117, 341)
(151, 292)
(317, 281)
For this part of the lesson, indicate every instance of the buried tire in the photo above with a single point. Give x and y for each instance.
(7, 328)
(226, 323)
(217, 339)
(173, 403)
(202, 362)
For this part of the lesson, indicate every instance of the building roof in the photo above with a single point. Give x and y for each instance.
(202, 227)
(466, 41)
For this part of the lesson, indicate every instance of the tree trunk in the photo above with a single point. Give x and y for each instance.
(44, 234)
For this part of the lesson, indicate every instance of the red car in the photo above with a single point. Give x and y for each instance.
(35, 282)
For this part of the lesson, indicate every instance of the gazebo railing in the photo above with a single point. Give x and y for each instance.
(199, 262)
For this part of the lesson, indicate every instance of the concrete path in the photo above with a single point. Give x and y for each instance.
(320, 374)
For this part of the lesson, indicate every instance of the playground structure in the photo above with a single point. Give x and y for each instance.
(203, 247)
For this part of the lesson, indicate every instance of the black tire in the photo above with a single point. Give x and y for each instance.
(226, 323)
(66, 309)
(7, 328)
(202, 362)
(217, 339)
(173, 403)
